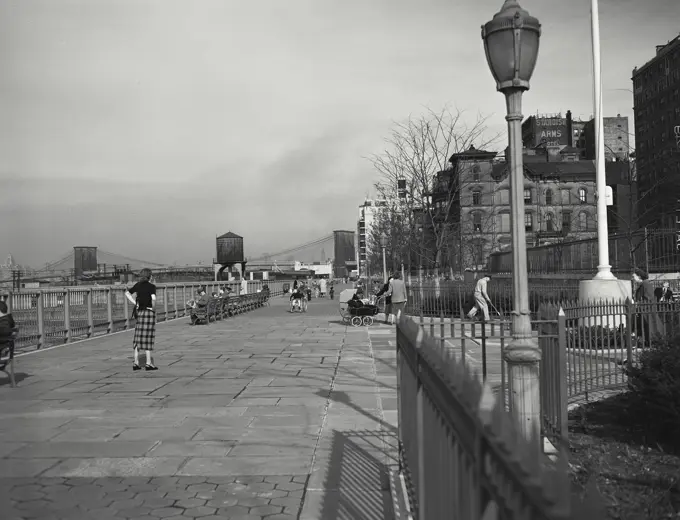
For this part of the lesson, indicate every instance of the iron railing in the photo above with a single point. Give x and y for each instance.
(461, 453)
(47, 317)
(654, 250)
(453, 298)
(584, 350)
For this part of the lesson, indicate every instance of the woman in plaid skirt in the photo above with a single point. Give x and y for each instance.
(145, 328)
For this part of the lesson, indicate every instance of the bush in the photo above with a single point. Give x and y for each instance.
(655, 387)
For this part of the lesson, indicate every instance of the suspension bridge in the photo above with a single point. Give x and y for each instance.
(319, 250)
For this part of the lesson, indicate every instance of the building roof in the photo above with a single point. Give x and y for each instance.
(569, 149)
(551, 169)
(229, 234)
(660, 50)
(473, 153)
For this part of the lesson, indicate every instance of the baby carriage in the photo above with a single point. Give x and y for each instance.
(355, 311)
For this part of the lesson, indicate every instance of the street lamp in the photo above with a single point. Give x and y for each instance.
(511, 44)
(383, 244)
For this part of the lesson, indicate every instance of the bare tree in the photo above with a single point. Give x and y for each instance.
(421, 187)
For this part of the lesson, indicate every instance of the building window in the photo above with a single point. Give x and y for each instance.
(566, 221)
(528, 222)
(582, 195)
(583, 221)
(477, 222)
(548, 197)
(527, 196)
(476, 173)
(476, 198)
(549, 222)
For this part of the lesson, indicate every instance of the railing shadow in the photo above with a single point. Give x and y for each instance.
(357, 485)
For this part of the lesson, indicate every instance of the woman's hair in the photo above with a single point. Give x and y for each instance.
(3, 307)
(642, 274)
(145, 275)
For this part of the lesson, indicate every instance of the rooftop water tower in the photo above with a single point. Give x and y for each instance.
(229, 248)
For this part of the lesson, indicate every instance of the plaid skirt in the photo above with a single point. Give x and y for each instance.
(145, 330)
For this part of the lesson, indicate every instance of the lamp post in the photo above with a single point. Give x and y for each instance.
(383, 244)
(511, 44)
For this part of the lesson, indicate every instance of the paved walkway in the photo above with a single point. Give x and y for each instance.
(266, 415)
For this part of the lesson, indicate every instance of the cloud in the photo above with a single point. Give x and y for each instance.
(151, 126)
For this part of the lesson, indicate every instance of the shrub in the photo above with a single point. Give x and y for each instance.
(655, 387)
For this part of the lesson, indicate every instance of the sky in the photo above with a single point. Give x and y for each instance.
(149, 127)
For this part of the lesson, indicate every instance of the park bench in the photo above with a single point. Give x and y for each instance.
(7, 360)
(229, 306)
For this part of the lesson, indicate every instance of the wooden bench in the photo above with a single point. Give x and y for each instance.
(7, 360)
(203, 314)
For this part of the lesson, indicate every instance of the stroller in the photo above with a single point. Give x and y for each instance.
(355, 311)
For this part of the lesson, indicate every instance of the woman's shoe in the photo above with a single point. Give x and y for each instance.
(135, 366)
(150, 367)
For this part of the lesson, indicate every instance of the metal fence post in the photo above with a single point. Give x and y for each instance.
(629, 334)
(67, 315)
(563, 417)
(126, 312)
(484, 351)
(109, 309)
(165, 303)
(90, 317)
(184, 299)
(41, 320)
(174, 301)
(420, 433)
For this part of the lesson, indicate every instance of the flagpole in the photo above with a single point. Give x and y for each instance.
(603, 267)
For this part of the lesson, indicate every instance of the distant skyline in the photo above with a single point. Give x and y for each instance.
(149, 127)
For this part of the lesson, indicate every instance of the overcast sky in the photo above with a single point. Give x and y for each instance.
(148, 127)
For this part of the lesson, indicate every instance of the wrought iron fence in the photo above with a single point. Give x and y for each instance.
(654, 250)
(48, 317)
(461, 453)
(584, 350)
(453, 298)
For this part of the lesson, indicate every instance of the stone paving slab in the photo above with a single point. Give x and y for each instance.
(266, 415)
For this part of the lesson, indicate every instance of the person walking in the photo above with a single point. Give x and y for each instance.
(388, 300)
(481, 298)
(397, 293)
(145, 312)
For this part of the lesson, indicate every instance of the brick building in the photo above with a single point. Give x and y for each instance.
(616, 139)
(559, 197)
(656, 86)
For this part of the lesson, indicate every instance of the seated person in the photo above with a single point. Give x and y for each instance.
(265, 290)
(199, 304)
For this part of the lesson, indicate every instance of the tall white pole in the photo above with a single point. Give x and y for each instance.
(603, 268)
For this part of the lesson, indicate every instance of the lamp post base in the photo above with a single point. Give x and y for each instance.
(598, 291)
(523, 357)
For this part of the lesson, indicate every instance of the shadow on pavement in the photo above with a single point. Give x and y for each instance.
(357, 485)
(18, 378)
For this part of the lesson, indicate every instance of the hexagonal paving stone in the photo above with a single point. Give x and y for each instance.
(290, 486)
(265, 510)
(231, 511)
(202, 487)
(190, 502)
(197, 512)
(165, 512)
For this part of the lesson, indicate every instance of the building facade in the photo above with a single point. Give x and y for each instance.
(616, 139)
(656, 87)
(559, 198)
(369, 214)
